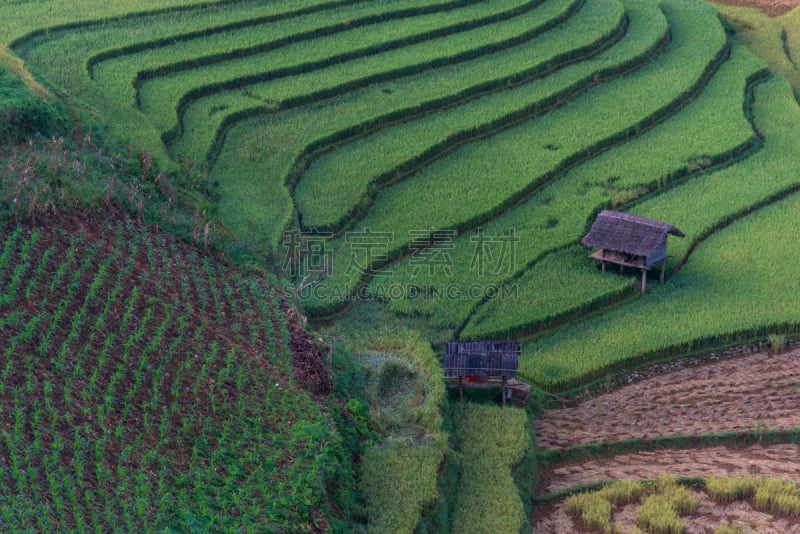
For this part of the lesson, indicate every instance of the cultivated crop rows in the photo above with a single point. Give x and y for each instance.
(133, 369)
(446, 157)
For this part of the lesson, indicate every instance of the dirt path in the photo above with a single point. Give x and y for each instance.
(754, 392)
(708, 516)
(774, 461)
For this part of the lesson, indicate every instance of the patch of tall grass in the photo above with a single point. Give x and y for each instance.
(492, 439)
(23, 113)
(406, 389)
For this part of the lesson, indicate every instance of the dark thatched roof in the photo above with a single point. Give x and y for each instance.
(481, 358)
(631, 234)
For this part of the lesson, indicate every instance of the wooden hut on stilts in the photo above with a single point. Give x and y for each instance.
(630, 241)
(485, 364)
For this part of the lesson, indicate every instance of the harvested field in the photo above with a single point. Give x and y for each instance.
(709, 516)
(773, 461)
(758, 391)
(773, 8)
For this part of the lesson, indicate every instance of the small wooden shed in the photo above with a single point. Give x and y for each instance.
(481, 364)
(630, 241)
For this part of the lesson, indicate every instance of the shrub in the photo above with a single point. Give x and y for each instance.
(777, 343)
(23, 114)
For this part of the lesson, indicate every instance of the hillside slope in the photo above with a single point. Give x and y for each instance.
(145, 386)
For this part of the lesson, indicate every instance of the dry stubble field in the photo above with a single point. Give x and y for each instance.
(757, 392)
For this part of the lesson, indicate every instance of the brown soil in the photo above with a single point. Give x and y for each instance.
(773, 461)
(773, 8)
(709, 515)
(112, 360)
(755, 392)
(308, 365)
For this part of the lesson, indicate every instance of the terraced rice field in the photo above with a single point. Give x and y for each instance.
(767, 461)
(433, 182)
(739, 395)
(443, 158)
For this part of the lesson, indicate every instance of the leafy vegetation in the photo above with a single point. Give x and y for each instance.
(406, 389)
(137, 378)
(23, 113)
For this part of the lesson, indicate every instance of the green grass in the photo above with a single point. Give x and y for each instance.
(708, 292)
(774, 39)
(480, 180)
(120, 71)
(492, 440)
(383, 155)
(394, 45)
(397, 67)
(253, 180)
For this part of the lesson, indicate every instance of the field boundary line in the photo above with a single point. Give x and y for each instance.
(170, 137)
(440, 150)
(323, 31)
(141, 46)
(654, 118)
